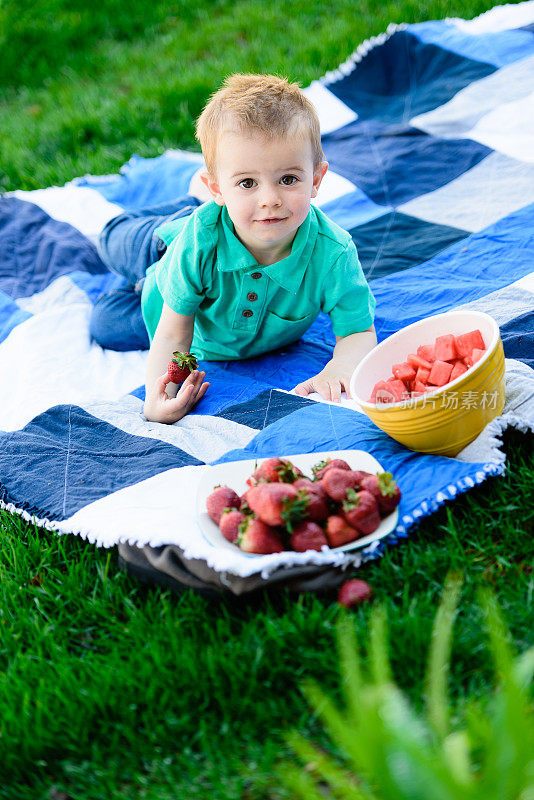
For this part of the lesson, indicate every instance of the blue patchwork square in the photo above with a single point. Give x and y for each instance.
(498, 48)
(404, 77)
(37, 249)
(398, 241)
(353, 209)
(147, 182)
(393, 164)
(65, 459)
(11, 315)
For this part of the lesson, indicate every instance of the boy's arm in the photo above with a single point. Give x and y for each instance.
(164, 402)
(336, 375)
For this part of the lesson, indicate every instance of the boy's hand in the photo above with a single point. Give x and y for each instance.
(330, 382)
(159, 407)
(336, 375)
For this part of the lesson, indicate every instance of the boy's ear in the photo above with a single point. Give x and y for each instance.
(318, 176)
(210, 181)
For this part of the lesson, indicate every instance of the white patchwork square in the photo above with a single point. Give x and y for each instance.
(500, 18)
(461, 115)
(492, 189)
(332, 186)
(332, 112)
(83, 208)
(507, 303)
(185, 155)
(509, 129)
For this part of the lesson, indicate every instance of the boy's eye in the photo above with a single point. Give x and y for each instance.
(292, 178)
(248, 181)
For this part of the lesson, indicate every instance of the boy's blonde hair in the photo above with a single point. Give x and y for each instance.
(258, 103)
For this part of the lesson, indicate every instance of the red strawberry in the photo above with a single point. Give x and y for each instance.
(353, 592)
(274, 470)
(288, 472)
(336, 482)
(257, 537)
(360, 509)
(308, 536)
(316, 508)
(222, 497)
(320, 468)
(338, 531)
(276, 503)
(244, 507)
(384, 489)
(181, 365)
(229, 525)
(305, 483)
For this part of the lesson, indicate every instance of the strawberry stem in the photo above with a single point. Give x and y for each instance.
(386, 484)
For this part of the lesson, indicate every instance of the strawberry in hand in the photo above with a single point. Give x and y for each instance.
(181, 365)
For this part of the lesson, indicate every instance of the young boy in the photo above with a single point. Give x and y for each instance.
(250, 270)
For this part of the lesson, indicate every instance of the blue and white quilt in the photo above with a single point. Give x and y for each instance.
(429, 133)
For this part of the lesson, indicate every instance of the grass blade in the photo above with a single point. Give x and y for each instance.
(439, 658)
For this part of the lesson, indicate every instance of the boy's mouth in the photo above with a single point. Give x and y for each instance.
(270, 220)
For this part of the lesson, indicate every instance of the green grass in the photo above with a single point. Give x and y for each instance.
(110, 690)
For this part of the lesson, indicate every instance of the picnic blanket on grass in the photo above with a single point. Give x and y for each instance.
(429, 133)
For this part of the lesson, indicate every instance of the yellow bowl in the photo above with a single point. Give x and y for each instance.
(447, 419)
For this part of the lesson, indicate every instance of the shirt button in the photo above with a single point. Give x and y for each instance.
(252, 296)
(256, 275)
(247, 312)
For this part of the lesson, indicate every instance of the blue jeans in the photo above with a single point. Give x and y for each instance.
(128, 246)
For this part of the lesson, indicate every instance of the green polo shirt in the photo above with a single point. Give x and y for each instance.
(243, 309)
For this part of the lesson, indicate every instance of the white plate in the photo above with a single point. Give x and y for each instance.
(235, 473)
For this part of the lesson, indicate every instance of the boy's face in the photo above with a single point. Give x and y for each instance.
(266, 185)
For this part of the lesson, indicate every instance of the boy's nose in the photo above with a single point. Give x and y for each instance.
(270, 197)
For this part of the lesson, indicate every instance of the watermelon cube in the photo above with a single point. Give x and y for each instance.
(376, 387)
(458, 369)
(474, 357)
(404, 371)
(422, 374)
(466, 342)
(440, 373)
(444, 348)
(416, 361)
(399, 390)
(421, 388)
(426, 351)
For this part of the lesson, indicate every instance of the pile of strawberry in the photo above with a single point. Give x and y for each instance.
(433, 366)
(284, 510)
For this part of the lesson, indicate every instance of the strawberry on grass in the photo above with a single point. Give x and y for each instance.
(353, 592)
(181, 365)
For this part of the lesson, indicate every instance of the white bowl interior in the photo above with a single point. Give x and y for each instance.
(376, 365)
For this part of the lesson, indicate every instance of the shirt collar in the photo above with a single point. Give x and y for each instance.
(287, 273)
